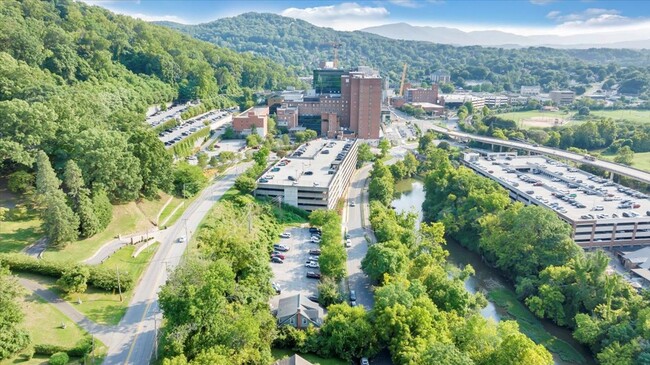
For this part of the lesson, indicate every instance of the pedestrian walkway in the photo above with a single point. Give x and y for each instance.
(103, 333)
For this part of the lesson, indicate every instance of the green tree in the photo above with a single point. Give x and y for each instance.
(624, 156)
(261, 156)
(46, 180)
(348, 333)
(59, 358)
(20, 181)
(384, 147)
(155, 162)
(188, 179)
(253, 140)
(384, 258)
(382, 184)
(411, 164)
(328, 292)
(103, 208)
(14, 338)
(245, 184)
(202, 159)
(74, 279)
(82, 204)
(364, 154)
(516, 348)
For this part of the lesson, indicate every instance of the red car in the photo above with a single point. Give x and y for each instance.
(277, 254)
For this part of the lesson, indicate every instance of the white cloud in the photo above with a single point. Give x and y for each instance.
(406, 3)
(344, 16)
(593, 17)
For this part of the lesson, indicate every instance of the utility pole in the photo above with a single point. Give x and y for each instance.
(187, 237)
(119, 285)
(250, 219)
(155, 329)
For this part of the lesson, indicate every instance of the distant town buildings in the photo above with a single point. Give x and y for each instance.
(562, 97)
(454, 101)
(441, 77)
(343, 104)
(530, 90)
(252, 120)
(421, 95)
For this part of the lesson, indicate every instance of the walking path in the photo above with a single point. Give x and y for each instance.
(103, 333)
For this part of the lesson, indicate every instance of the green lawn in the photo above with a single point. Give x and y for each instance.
(151, 208)
(532, 327)
(169, 209)
(641, 160)
(638, 116)
(127, 219)
(316, 360)
(98, 305)
(43, 322)
(14, 236)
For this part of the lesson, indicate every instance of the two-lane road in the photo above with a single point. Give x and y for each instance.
(134, 339)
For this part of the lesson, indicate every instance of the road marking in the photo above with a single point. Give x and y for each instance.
(137, 333)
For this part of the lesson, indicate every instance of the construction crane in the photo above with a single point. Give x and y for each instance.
(336, 46)
(401, 84)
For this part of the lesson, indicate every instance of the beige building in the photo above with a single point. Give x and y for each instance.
(255, 118)
(314, 177)
(562, 97)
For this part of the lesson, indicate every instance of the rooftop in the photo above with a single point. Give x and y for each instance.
(310, 165)
(259, 111)
(574, 194)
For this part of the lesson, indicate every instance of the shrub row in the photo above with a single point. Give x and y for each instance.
(171, 123)
(81, 349)
(100, 277)
(186, 146)
(216, 102)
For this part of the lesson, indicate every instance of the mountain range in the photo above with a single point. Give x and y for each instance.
(497, 38)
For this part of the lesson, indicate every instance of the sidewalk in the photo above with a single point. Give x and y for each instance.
(103, 333)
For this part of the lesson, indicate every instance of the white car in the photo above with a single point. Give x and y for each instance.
(353, 204)
(181, 239)
(312, 264)
(348, 243)
(285, 235)
(315, 240)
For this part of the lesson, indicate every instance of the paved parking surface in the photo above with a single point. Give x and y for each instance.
(291, 274)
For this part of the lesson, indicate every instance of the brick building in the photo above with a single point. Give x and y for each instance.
(255, 118)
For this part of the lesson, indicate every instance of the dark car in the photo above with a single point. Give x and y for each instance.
(313, 275)
(276, 260)
(315, 252)
(313, 298)
(314, 230)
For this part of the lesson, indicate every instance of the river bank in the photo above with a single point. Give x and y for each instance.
(502, 301)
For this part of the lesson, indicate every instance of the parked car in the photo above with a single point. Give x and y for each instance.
(353, 204)
(315, 252)
(181, 239)
(276, 287)
(312, 265)
(285, 235)
(277, 254)
(313, 275)
(280, 248)
(364, 361)
(276, 260)
(313, 298)
(315, 240)
(353, 296)
(348, 243)
(314, 230)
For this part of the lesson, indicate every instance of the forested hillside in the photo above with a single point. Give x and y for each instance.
(75, 82)
(301, 46)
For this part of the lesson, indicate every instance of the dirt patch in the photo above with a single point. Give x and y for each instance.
(543, 122)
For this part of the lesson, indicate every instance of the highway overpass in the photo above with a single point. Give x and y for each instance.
(615, 168)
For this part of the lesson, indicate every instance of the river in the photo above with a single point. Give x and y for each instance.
(409, 197)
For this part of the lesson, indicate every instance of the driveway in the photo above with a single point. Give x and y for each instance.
(291, 275)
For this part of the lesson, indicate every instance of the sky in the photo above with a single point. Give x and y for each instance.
(626, 20)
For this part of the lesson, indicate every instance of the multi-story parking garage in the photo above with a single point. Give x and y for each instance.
(313, 177)
(601, 212)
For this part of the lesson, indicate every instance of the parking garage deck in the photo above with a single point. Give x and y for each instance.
(601, 212)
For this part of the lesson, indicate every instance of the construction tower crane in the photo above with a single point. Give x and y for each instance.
(336, 46)
(401, 84)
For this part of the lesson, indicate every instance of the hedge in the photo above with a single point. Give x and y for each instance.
(186, 147)
(171, 123)
(60, 358)
(100, 277)
(81, 349)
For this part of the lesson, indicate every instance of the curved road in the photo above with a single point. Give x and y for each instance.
(133, 340)
(622, 170)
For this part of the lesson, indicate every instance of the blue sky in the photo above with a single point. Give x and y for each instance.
(526, 17)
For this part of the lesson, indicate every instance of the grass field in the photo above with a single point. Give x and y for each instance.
(641, 160)
(14, 236)
(638, 116)
(316, 360)
(535, 118)
(100, 306)
(43, 322)
(127, 218)
(532, 327)
(151, 208)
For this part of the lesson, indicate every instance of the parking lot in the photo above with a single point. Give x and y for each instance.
(291, 275)
(215, 120)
